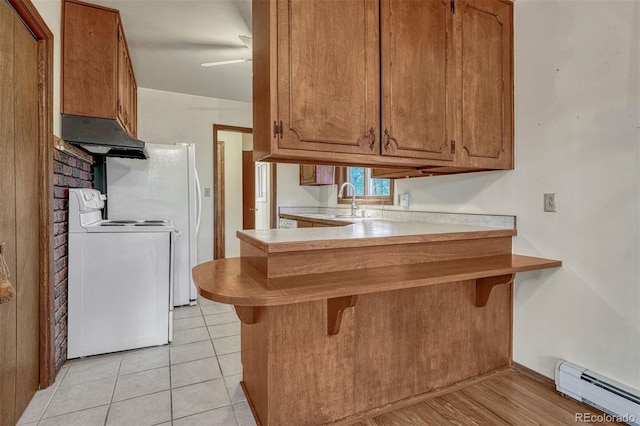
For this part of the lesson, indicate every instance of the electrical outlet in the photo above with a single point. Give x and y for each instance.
(550, 204)
(207, 192)
(404, 200)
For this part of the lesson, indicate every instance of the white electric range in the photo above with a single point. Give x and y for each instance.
(120, 279)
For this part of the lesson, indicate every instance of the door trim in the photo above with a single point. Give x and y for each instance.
(218, 189)
(38, 27)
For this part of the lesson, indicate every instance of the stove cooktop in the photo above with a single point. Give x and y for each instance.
(135, 223)
(130, 226)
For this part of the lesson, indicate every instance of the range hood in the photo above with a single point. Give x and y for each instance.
(101, 136)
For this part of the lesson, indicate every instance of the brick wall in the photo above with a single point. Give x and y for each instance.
(68, 172)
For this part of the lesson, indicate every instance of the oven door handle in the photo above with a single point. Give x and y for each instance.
(175, 234)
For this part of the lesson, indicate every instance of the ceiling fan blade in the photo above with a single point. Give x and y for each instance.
(231, 61)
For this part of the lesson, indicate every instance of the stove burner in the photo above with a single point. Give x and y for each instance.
(121, 221)
(113, 224)
(159, 222)
(146, 223)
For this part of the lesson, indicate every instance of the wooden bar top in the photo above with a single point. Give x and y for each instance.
(366, 233)
(224, 280)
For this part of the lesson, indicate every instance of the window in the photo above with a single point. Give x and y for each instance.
(368, 190)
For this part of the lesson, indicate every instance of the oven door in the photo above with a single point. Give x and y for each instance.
(175, 235)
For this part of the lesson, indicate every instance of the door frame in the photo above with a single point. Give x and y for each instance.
(44, 37)
(218, 190)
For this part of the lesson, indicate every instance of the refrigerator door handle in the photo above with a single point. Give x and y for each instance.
(199, 200)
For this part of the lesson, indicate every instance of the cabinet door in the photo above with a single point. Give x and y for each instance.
(89, 61)
(328, 75)
(484, 42)
(316, 175)
(307, 174)
(417, 62)
(123, 81)
(133, 102)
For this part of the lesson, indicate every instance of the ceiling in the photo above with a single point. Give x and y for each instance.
(169, 39)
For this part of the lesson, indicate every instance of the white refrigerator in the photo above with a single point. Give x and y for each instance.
(165, 186)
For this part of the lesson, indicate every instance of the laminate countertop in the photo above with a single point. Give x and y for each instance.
(364, 233)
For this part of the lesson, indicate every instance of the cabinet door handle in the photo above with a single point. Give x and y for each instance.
(370, 137)
(388, 138)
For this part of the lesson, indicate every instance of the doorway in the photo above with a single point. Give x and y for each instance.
(243, 191)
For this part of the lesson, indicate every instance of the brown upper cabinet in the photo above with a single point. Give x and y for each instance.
(312, 175)
(425, 85)
(97, 75)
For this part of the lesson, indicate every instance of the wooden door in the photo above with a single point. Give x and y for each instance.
(27, 216)
(328, 75)
(19, 214)
(248, 191)
(7, 212)
(484, 45)
(417, 62)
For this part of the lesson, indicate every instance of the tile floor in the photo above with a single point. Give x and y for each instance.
(193, 381)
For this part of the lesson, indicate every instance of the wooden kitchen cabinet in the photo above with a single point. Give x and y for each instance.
(127, 89)
(417, 62)
(484, 83)
(311, 175)
(97, 77)
(441, 81)
(324, 100)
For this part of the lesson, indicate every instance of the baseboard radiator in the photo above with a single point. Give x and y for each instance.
(621, 403)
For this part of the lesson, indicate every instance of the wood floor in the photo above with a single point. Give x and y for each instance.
(506, 398)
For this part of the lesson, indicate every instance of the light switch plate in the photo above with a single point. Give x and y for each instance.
(207, 192)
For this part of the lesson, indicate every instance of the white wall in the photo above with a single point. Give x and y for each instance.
(290, 193)
(577, 120)
(166, 117)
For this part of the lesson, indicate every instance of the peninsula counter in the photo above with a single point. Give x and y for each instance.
(342, 321)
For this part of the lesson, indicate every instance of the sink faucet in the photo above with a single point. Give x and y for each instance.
(354, 203)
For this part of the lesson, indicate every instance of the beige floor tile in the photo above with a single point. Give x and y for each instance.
(234, 388)
(224, 330)
(230, 364)
(191, 352)
(37, 405)
(186, 323)
(41, 399)
(141, 383)
(91, 417)
(186, 312)
(227, 345)
(224, 318)
(194, 399)
(244, 416)
(192, 372)
(92, 369)
(191, 335)
(216, 308)
(142, 411)
(219, 417)
(144, 359)
(80, 397)
(204, 302)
